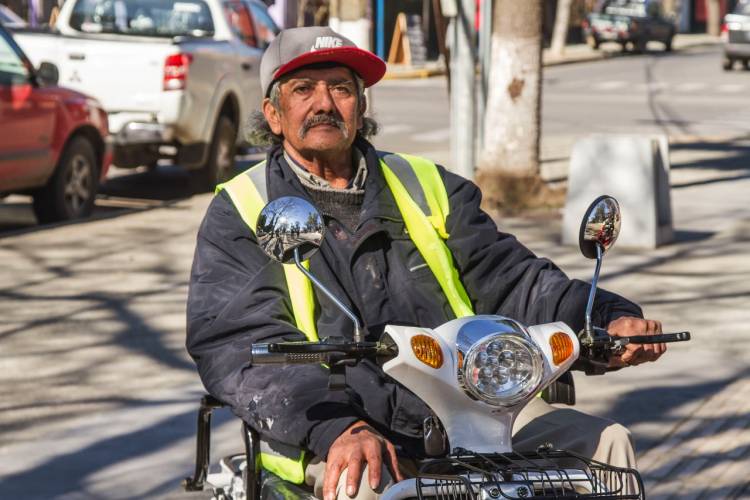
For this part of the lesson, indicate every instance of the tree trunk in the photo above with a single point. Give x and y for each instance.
(713, 17)
(560, 32)
(509, 164)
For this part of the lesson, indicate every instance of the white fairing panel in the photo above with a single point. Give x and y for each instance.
(541, 335)
(469, 423)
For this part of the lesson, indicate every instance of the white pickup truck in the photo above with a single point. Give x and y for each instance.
(178, 78)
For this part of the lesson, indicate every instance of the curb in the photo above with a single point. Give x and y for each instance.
(403, 73)
(408, 73)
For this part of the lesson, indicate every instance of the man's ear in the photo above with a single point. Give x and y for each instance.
(272, 116)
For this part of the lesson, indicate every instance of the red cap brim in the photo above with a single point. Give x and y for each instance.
(367, 65)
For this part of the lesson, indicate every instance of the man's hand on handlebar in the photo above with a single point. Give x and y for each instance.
(635, 354)
(357, 445)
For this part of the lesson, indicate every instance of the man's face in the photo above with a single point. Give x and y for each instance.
(319, 112)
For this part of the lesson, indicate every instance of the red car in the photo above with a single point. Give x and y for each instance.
(53, 140)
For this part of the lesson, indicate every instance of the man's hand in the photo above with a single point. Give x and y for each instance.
(635, 354)
(358, 444)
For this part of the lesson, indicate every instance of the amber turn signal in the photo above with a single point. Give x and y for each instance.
(562, 347)
(427, 350)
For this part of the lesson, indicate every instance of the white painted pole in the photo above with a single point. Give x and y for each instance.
(485, 53)
(463, 89)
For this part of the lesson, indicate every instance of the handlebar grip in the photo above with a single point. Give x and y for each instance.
(301, 358)
(662, 338)
(262, 355)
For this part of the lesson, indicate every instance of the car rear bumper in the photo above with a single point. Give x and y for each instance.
(737, 50)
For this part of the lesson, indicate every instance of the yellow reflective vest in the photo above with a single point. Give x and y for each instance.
(421, 198)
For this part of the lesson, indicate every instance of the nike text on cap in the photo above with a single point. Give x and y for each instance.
(297, 47)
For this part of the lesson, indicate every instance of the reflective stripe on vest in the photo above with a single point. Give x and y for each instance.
(413, 180)
(418, 190)
(249, 195)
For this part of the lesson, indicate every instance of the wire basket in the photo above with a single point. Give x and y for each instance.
(544, 474)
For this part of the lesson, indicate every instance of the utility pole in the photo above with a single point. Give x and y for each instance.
(485, 54)
(462, 85)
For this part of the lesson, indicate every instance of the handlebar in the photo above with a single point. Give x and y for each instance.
(599, 347)
(261, 354)
(330, 350)
(656, 339)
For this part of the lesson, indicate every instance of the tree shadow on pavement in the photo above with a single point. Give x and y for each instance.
(710, 440)
(71, 473)
(124, 192)
(164, 183)
(120, 195)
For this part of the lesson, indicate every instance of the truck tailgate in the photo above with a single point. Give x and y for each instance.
(124, 73)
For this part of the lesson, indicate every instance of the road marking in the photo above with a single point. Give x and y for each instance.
(731, 87)
(439, 135)
(690, 86)
(396, 128)
(609, 85)
(653, 86)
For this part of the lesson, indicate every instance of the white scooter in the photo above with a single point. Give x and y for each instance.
(475, 373)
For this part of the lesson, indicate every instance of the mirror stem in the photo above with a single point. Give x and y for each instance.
(358, 337)
(589, 328)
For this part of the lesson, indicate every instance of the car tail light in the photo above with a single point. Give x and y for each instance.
(176, 71)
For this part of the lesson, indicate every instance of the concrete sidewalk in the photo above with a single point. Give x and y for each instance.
(689, 413)
(572, 54)
(582, 52)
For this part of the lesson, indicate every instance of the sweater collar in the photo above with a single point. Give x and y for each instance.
(378, 201)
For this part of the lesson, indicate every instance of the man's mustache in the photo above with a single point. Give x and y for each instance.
(322, 120)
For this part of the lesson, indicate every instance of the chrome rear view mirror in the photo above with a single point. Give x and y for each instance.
(600, 226)
(287, 224)
(599, 230)
(290, 230)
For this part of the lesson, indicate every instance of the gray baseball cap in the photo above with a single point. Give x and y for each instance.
(297, 47)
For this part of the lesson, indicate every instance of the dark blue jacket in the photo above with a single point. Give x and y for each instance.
(238, 296)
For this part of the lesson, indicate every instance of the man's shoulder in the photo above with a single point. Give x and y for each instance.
(221, 217)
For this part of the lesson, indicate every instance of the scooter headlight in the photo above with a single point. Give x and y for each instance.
(502, 369)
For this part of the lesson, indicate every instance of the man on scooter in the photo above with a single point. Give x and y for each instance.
(355, 442)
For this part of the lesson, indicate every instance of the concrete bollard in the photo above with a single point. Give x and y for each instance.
(632, 168)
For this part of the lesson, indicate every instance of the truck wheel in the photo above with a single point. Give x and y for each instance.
(745, 64)
(639, 46)
(71, 191)
(592, 42)
(727, 64)
(220, 164)
(668, 44)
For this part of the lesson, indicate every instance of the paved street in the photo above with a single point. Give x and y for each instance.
(98, 397)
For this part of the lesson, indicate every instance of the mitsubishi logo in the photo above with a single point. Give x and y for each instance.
(74, 77)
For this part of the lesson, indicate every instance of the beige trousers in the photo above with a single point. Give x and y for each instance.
(538, 423)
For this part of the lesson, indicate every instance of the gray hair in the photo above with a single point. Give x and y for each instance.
(258, 132)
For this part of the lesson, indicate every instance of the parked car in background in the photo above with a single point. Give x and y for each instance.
(53, 140)
(10, 19)
(735, 33)
(631, 23)
(178, 78)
